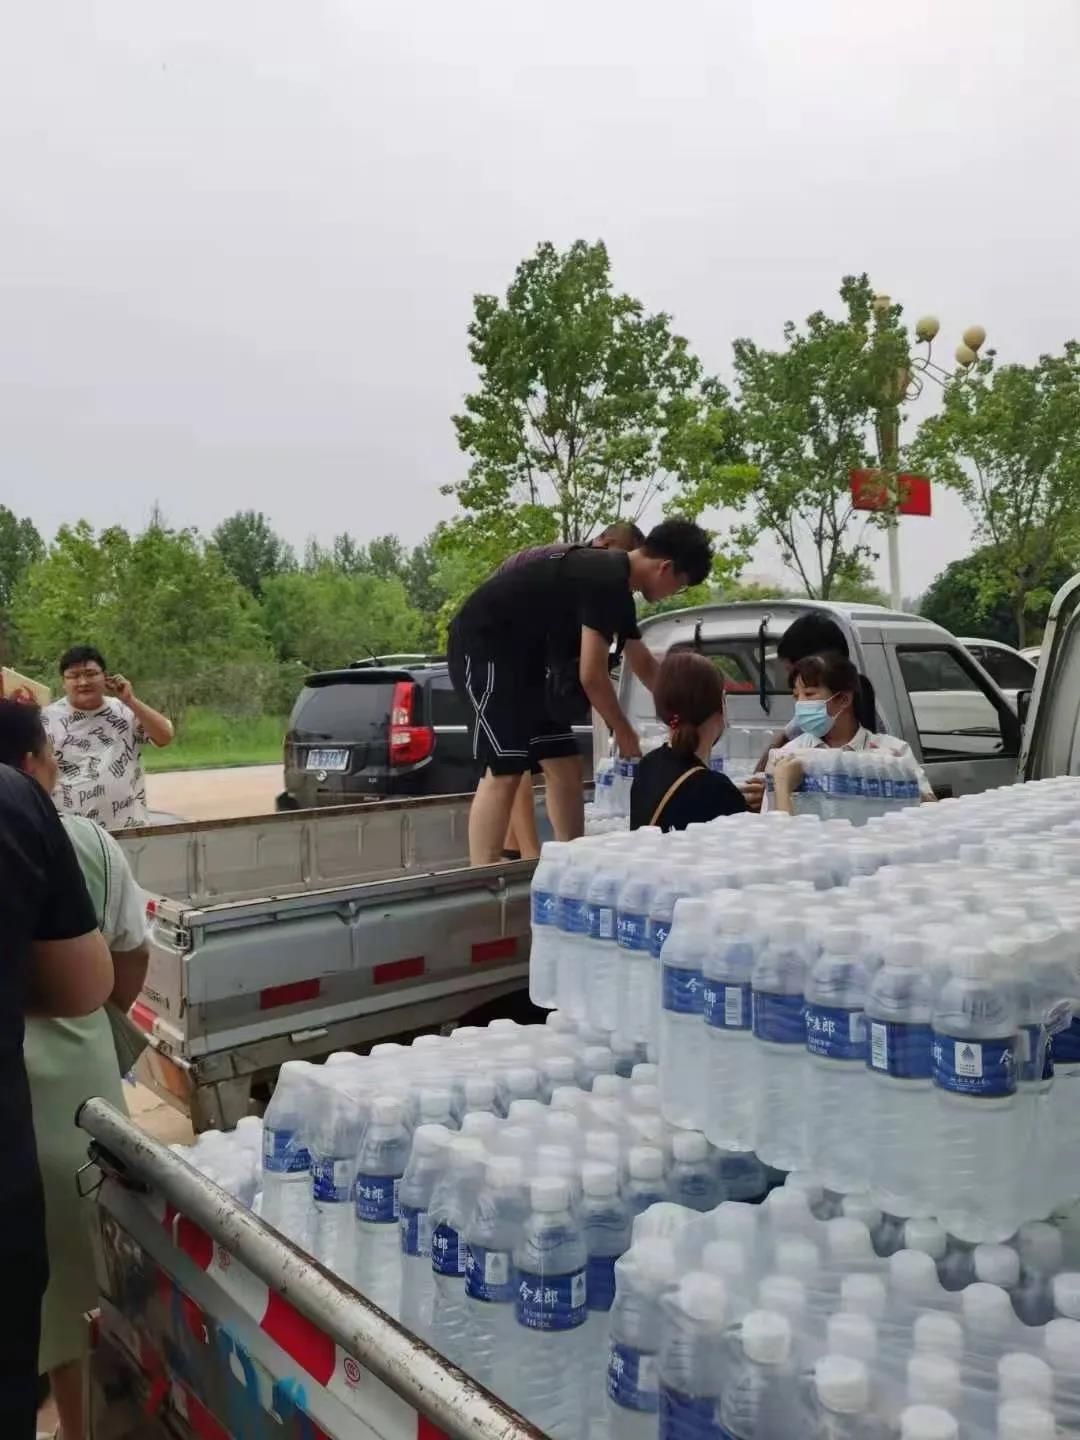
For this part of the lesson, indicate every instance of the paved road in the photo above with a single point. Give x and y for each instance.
(215, 794)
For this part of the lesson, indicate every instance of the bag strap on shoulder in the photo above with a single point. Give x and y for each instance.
(670, 792)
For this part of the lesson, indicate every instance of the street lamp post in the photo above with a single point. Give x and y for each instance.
(907, 384)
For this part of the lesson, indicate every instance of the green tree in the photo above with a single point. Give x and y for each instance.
(582, 405)
(1007, 439)
(327, 618)
(966, 600)
(20, 546)
(251, 550)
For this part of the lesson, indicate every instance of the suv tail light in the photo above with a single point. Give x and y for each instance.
(409, 743)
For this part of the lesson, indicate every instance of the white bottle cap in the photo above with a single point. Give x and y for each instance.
(1041, 1246)
(661, 1221)
(848, 1240)
(938, 1334)
(467, 1150)
(427, 1139)
(861, 1207)
(843, 1385)
(997, 1265)
(522, 1080)
(927, 1422)
(567, 1097)
(480, 1089)
(788, 1209)
(599, 1179)
(766, 1337)
(783, 1294)
(927, 1236)
(690, 1146)
(810, 1186)
(481, 1123)
(645, 1163)
(525, 1112)
(1061, 1341)
(913, 1275)
(555, 1160)
(703, 1297)
(1066, 1292)
(798, 1257)
(510, 1140)
(645, 1099)
(603, 1145)
(503, 1025)
(654, 1261)
(431, 1102)
(735, 1220)
(1022, 1376)
(933, 1380)
(385, 1109)
(608, 1087)
(504, 1172)
(726, 1258)
(560, 1069)
(986, 1308)
(598, 1057)
(863, 1295)
(854, 1335)
(645, 1074)
(1020, 1420)
(549, 1194)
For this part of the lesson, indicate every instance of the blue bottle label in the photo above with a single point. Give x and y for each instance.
(447, 1251)
(632, 930)
(283, 1153)
(601, 1282)
(726, 1007)
(1067, 1044)
(985, 1069)
(902, 1051)
(778, 1019)
(574, 916)
(545, 908)
(601, 922)
(332, 1179)
(489, 1275)
(633, 1378)
(688, 1417)
(415, 1227)
(659, 930)
(836, 1032)
(551, 1302)
(377, 1199)
(682, 991)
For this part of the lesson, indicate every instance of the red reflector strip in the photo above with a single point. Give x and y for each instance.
(504, 948)
(194, 1242)
(427, 1429)
(299, 1338)
(151, 907)
(398, 970)
(143, 1016)
(293, 994)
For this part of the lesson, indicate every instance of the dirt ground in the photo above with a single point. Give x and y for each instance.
(215, 794)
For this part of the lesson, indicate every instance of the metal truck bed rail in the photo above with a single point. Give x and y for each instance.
(234, 1334)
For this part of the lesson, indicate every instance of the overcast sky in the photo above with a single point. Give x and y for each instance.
(239, 238)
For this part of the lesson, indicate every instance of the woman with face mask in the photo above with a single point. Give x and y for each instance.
(826, 690)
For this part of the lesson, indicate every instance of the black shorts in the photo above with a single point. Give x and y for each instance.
(512, 731)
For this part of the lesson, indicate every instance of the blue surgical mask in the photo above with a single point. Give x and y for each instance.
(813, 718)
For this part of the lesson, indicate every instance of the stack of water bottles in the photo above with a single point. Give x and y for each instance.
(890, 1005)
(796, 1320)
(855, 785)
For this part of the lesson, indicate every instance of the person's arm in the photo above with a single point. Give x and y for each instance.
(124, 928)
(129, 975)
(69, 978)
(643, 663)
(787, 777)
(596, 682)
(156, 727)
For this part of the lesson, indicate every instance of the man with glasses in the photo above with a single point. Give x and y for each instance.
(98, 730)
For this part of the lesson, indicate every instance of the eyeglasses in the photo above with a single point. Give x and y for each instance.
(83, 674)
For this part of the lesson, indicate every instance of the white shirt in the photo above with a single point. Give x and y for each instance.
(124, 922)
(864, 739)
(100, 757)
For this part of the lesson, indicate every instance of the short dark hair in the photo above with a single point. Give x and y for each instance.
(834, 672)
(811, 634)
(623, 534)
(21, 732)
(689, 688)
(82, 655)
(685, 544)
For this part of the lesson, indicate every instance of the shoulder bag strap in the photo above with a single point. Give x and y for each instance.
(670, 792)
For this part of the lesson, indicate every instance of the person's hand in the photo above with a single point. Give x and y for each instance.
(627, 742)
(787, 774)
(753, 792)
(121, 687)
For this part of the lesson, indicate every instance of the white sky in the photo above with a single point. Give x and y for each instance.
(239, 240)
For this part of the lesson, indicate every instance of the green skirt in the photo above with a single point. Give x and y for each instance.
(67, 1062)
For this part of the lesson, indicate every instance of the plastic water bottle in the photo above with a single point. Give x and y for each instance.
(645, 1184)
(574, 946)
(727, 1011)
(490, 1289)
(286, 1165)
(1020, 1420)
(637, 1001)
(426, 1164)
(602, 896)
(642, 1278)
(336, 1129)
(451, 1209)
(1042, 1255)
(928, 1422)
(690, 1378)
(380, 1164)
(900, 1113)
(1061, 1349)
(842, 1388)
(760, 1399)
(975, 1058)
(682, 1032)
(779, 979)
(551, 1265)
(693, 1179)
(544, 951)
(836, 1060)
(605, 1222)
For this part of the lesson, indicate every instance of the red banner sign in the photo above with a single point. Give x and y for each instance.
(870, 492)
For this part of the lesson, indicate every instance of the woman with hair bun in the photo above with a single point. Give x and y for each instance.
(674, 786)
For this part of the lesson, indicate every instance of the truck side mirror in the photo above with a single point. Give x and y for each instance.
(1023, 705)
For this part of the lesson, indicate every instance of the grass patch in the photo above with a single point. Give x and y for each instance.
(206, 739)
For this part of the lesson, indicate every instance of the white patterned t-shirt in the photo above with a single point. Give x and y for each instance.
(100, 757)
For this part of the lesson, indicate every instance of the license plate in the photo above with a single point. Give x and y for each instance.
(328, 759)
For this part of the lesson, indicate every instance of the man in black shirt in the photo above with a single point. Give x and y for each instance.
(548, 611)
(53, 961)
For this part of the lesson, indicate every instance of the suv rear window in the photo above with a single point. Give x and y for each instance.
(344, 710)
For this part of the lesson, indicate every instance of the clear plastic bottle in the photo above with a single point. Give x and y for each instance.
(551, 1264)
(779, 980)
(479, 1095)
(601, 994)
(1020, 1420)
(490, 1290)
(692, 1339)
(286, 1163)
(761, 1395)
(451, 1209)
(605, 1222)
(544, 951)
(842, 1389)
(426, 1164)
(645, 1184)
(1061, 1349)
(336, 1130)
(1042, 1254)
(727, 1013)
(380, 1164)
(635, 990)
(692, 1179)
(681, 1029)
(574, 944)
(643, 1276)
(928, 1422)
(836, 1060)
